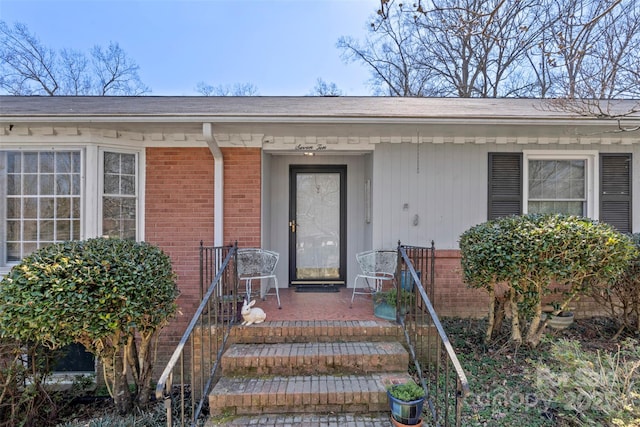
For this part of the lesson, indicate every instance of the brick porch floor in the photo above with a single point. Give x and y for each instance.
(317, 306)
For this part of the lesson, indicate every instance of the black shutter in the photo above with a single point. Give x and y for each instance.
(505, 184)
(615, 190)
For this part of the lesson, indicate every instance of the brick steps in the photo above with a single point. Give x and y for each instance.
(300, 394)
(317, 331)
(314, 358)
(309, 371)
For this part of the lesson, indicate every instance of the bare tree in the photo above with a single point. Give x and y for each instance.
(391, 53)
(237, 89)
(323, 88)
(503, 48)
(27, 67)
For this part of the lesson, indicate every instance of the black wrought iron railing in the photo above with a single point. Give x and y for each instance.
(186, 381)
(436, 365)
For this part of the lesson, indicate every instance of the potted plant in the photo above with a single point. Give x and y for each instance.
(557, 318)
(406, 401)
(385, 302)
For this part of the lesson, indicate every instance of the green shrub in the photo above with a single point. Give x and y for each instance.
(622, 296)
(110, 295)
(592, 388)
(530, 253)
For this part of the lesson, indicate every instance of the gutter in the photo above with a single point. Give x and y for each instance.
(218, 184)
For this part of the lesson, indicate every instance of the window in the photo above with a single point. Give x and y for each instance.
(119, 195)
(557, 186)
(42, 190)
(562, 182)
(50, 198)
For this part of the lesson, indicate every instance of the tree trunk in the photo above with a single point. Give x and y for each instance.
(115, 375)
(534, 334)
(516, 335)
(491, 320)
(499, 313)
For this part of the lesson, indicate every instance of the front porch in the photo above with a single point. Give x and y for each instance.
(307, 348)
(310, 306)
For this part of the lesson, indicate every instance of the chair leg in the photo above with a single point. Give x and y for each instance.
(275, 280)
(353, 294)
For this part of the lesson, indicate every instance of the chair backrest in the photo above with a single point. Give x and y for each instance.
(256, 262)
(378, 262)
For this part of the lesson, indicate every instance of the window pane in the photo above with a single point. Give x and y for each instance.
(63, 162)
(30, 163)
(111, 163)
(13, 230)
(46, 163)
(63, 208)
(30, 184)
(75, 162)
(30, 230)
(111, 184)
(46, 184)
(13, 208)
(128, 185)
(75, 230)
(75, 184)
(47, 207)
(63, 185)
(46, 231)
(63, 230)
(13, 252)
(75, 207)
(128, 164)
(14, 185)
(30, 208)
(14, 162)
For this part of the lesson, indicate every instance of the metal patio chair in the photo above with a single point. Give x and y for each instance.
(258, 264)
(377, 267)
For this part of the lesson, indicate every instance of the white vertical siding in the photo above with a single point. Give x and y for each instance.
(445, 185)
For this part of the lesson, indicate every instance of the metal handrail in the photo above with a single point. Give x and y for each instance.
(185, 383)
(433, 369)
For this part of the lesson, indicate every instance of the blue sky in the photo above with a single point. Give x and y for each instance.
(280, 46)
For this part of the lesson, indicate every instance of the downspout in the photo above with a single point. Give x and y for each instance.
(218, 184)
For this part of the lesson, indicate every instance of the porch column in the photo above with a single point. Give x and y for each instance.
(218, 184)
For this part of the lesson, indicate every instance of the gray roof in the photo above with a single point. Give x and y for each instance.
(34, 108)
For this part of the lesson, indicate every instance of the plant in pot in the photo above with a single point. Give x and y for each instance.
(406, 401)
(384, 303)
(556, 317)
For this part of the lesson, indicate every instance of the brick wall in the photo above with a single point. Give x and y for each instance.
(453, 297)
(242, 182)
(179, 214)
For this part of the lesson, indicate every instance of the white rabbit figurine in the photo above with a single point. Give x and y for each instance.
(252, 315)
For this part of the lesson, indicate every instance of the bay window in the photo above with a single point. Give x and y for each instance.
(49, 196)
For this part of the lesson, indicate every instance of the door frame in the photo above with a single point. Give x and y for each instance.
(341, 169)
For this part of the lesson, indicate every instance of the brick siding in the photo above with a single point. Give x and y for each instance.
(179, 214)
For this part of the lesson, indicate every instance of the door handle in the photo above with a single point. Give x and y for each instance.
(292, 226)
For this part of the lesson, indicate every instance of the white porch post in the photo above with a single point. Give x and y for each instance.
(218, 184)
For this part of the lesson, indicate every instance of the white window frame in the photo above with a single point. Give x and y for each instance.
(91, 184)
(138, 185)
(591, 175)
(39, 149)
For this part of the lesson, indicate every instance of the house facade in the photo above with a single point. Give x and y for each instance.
(316, 179)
